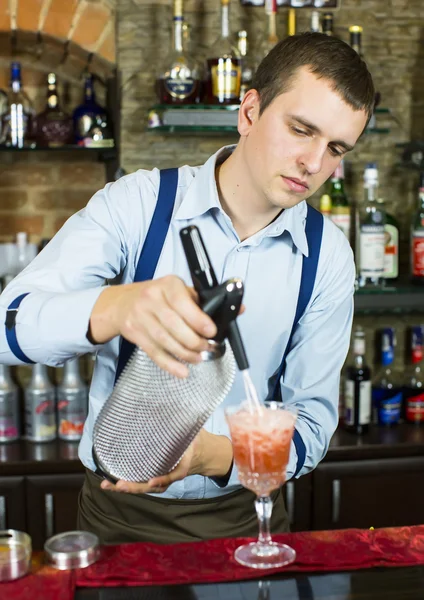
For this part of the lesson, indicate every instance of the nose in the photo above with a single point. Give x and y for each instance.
(312, 158)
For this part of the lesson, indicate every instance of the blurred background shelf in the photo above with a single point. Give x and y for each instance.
(401, 298)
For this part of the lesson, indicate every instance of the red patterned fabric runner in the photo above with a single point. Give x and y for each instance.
(42, 583)
(213, 562)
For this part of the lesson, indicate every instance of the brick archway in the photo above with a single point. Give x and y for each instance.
(59, 34)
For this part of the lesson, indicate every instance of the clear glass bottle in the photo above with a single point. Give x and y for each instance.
(417, 237)
(340, 207)
(270, 37)
(40, 407)
(10, 426)
(246, 63)
(387, 396)
(89, 116)
(414, 385)
(72, 402)
(18, 119)
(391, 246)
(371, 233)
(357, 397)
(355, 37)
(224, 65)
(315, 26)
(179, 80)
(54, 126)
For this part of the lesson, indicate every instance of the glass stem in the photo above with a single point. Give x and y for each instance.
(263, 505)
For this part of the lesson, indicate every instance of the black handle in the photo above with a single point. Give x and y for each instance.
(221, 302)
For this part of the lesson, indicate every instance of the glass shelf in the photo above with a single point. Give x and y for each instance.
(198, 106)
(401, 298)
(193, 130)
(102, 153)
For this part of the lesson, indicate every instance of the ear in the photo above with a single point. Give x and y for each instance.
(248, 112)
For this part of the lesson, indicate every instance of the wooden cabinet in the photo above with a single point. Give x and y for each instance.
(298, 499)
(52, 505)
(12, 503)
(369, 493)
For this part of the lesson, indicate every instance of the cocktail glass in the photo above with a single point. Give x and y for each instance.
(261, 445)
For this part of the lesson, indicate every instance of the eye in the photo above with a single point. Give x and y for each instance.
(298, 131)
(335, 151)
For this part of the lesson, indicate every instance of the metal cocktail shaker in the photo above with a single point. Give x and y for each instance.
(151, 417)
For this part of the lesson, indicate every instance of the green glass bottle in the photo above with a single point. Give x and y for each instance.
(340, 207)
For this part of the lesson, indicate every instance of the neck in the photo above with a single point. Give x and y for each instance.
(246, 206)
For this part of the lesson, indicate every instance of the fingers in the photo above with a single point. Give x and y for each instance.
(130, 487)
(180, 299)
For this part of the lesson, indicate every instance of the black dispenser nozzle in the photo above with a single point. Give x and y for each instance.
(222, 302)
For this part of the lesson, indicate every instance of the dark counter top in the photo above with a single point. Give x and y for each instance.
(370, 584)
(22, 457)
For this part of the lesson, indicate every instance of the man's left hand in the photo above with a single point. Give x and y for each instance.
(193, 462)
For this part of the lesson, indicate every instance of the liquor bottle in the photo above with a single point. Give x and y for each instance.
(224, 65)
(179, 81)
(357, 395)
(371, 233)
(325, 205)
(414, 387)
(355, 33)
(21, 259)
(355, 38)
(72, 402)
(417, 237)
(391, 247)
(40, 407)
(89, 117)
(54, 126)
(9, 407)
(340, 208)
(269, 37)
(328, 24)
(315, 22)
(387, 391)
(18, 119)
(246, 63)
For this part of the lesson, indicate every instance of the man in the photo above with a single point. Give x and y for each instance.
(311, 100)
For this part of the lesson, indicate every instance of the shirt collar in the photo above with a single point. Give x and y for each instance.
(202, 196)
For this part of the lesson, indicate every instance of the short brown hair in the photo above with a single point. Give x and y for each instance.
(326, 57)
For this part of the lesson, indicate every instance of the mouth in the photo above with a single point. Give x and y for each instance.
(296, 185)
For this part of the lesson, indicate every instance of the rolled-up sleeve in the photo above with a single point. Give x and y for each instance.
(319, 347)
(65, 280)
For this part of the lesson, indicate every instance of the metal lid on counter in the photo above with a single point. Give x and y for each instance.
(72, 550)
(15, 554)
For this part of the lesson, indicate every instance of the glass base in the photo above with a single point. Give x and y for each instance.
(264, 556)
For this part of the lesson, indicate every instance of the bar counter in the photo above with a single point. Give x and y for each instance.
(352, 563)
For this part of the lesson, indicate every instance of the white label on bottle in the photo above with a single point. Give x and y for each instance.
(364, 402)
(342, 220)
(391, 251)
(371, 250)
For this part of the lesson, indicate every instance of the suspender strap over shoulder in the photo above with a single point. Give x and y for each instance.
(10, 327)
(153, 245)
(313, 230)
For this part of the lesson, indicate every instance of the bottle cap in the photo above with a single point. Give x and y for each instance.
(355, 29)
(371, 173)
(339, 172)
(325, 203)
(421, 183)
(21, 239)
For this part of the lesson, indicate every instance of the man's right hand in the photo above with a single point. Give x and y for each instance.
(160, 316)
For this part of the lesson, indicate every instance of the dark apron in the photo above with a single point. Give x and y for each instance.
(117, 517)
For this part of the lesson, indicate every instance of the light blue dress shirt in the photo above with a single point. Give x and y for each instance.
(104, 240)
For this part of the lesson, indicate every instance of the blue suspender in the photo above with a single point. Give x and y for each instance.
(153, 244)
(10, 327)
(313, 231)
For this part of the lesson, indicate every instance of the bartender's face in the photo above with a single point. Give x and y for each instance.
(298, 141)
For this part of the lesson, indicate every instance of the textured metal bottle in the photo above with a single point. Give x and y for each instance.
(40, 407)
(10, 422)
(72, 403)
